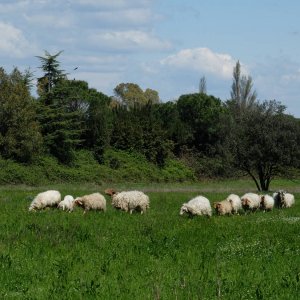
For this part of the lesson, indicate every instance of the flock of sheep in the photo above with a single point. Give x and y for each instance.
(233, 204)
(130, 201)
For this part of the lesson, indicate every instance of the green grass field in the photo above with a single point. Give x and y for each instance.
(159, 255)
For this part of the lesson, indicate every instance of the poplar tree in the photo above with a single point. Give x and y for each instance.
(242, 95)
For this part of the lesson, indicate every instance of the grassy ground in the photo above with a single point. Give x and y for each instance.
(160, 255)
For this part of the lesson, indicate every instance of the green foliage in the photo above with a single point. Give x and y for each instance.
(52, 72)
(131, 95)
(176, 130)
(118, 166)
(212, 138)
(20, 136)
(264, 141)
(140, 130)
(209, 167)
(201, 113)
(159, 255)
(61, 131)
(242, 96)
(99, 121)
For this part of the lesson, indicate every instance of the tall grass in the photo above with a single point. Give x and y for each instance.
(159, 255)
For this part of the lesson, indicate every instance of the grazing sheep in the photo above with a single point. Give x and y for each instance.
(283, 199)
(129, 200)
(250, 201)
(94, 201)
(196, 206)
(236, 202)
(278, 198)
(288, 200)
(45, 199)
(223, 207)
(67, 204)
(266, 202)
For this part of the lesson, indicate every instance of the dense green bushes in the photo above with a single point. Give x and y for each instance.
(118, 166)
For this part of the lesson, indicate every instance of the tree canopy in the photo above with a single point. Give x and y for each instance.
(264, 142)
(130, 95)
(20, 136)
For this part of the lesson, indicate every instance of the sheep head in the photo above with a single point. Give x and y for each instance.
(110, 192)
(246, 202)
(183, 209)
(78, 202)
(32, 208)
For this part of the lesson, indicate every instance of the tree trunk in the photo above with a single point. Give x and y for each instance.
(255, 180)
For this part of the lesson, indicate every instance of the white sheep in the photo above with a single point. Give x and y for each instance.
(223, 207)
(236, 202)
(283, 199)
(250, 201)
(288, 200)
(45, 199)
(196, 206)
(94, 201)
(129, 200)
(67, 204)
(266, 202)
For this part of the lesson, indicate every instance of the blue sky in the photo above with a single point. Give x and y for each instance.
(166, 45)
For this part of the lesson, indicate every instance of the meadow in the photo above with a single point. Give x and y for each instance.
(160, 255)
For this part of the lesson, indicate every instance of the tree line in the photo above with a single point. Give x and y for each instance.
(223, 138)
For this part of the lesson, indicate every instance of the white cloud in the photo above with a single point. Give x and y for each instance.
(13, 43)
(114, 3)
(292, 77)
(132, 16)
(11, 7)
(45, 20)
(129, 40)
(203, 60)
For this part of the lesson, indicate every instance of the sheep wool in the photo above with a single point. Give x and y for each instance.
(94, 201)
(197, 206)
(129, 200)
(67, 204)
(288, 200)
(236, 202)
(266, 202)
(45, 199)
(223, 207)
(250, 201)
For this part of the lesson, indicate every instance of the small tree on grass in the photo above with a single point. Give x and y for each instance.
(264, 142)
